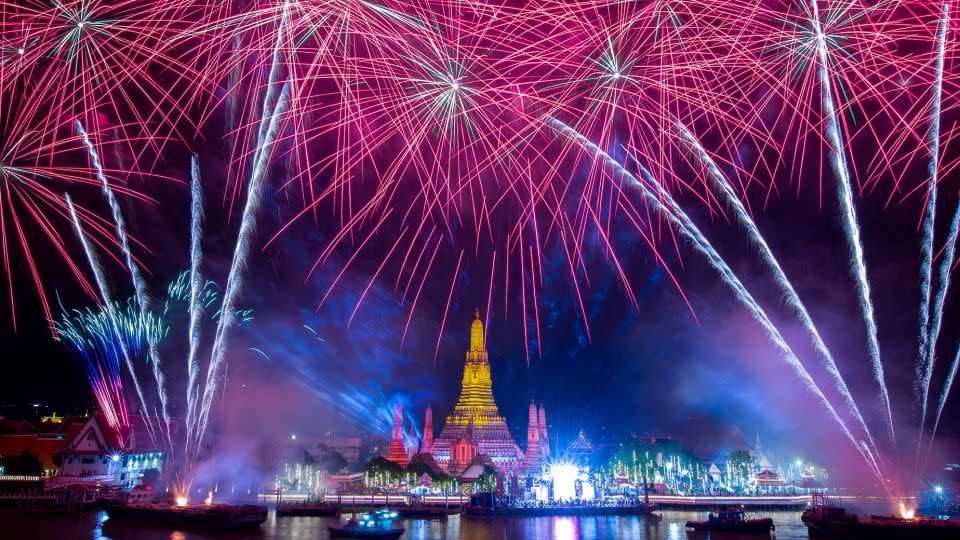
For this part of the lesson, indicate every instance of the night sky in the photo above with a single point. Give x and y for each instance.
(711, 380)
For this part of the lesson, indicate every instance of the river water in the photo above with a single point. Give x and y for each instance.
(87, 526)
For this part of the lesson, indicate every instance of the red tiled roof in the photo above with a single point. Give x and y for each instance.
(11, 445)
(44, 448)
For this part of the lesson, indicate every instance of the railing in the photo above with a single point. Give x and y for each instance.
(373, 500)
(698, 500)
(56, 481)
(370, 500)
(19, 478)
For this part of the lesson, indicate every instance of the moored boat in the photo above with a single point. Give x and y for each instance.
(827, 519)
(214, 516)
(732, 521)
(897, 528)
(379, 524)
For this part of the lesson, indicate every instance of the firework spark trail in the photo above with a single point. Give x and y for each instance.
(786, 287)
(269, 100)
(844, 192)
(139, 285)
(101, 280)
(239, 262)
(273, 109)
(88, 335)
(196, 288)
(928, 342)
(678, 217)
(945, 267)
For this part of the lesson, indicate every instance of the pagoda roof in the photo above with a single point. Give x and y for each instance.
(476, 468)
(581, 443)
(427, 459)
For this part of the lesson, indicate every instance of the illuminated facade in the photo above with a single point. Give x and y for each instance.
(538, 446)
(398, 449)
(475, 419)
(427, 446)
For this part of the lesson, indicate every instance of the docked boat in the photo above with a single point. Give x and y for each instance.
(732, 521)
(897, 528)
(214, 516)
(379, 524)
(826, 519)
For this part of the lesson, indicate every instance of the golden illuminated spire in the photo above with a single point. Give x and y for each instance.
(476, 334)
(475, 415)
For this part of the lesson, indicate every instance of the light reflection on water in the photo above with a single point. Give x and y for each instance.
(96, 525)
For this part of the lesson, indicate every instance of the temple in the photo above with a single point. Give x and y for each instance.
(475, 430)
(477, 411)
(398, 452)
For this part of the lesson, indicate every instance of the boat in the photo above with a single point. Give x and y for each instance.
(732, 521)
(827, 519)
(897, 528)
(191, 516)
(379, 524)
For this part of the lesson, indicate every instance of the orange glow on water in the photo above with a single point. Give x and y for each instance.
(907, 513)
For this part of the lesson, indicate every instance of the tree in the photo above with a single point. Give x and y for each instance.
(488, 479)
(25, 464)
(383, 466)
(333, 462)
(740, 463)
(418, 469)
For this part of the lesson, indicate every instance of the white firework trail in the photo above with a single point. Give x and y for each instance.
(945, 266)
(786, 287)
(270, 98)
(239, 262)
(196, 290)
(101, 279)
(273, 108)
(139, 285)
(685, 225)
(849, 216)
(928, 337)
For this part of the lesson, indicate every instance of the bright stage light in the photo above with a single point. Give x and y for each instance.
(564, 477)
(182, 501)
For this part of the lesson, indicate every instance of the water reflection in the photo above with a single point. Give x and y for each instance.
(101, 518)
(98, 526)
(674, 531)
(564, 528)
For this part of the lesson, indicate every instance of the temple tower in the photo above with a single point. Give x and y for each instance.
(531, 459)
(544, 440)
(398, 450)
(476, 407)
(413, 442)
(427, 446)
